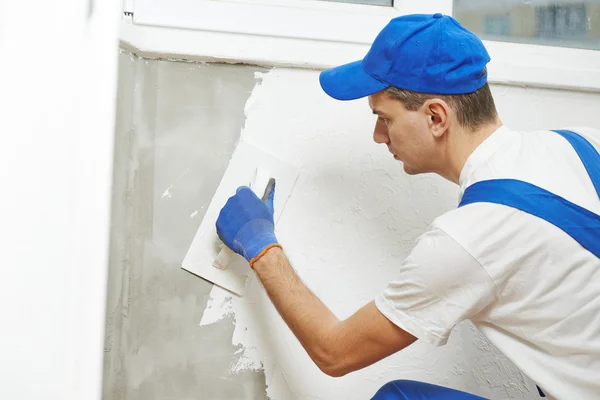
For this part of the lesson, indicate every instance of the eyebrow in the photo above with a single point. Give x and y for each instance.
(378, 112)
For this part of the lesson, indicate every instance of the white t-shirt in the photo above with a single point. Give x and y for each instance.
(530, 288)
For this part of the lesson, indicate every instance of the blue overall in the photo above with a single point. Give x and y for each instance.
(578, 222)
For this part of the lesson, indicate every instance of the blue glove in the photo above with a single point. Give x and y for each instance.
(246, 224)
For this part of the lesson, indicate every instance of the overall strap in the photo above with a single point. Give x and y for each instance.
(578, 222)
(587, 153)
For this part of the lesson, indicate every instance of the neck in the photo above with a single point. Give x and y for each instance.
(460, 145)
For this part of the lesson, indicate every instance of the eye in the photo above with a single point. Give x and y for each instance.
(385, 120)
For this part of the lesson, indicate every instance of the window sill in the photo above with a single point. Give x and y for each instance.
(236, 48)
(265, 33)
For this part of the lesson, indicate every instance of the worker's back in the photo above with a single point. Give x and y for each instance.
(545, 311)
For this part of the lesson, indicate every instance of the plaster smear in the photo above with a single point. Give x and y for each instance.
(351, 220)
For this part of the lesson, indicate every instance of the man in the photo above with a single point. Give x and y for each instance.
(520, 256)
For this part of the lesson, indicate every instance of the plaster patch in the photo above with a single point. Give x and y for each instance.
(167, 193)
(218, 307)
(256, 94)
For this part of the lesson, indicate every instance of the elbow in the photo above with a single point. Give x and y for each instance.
(334, 371)
(331, 363)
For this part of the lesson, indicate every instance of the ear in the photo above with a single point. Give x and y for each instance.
(437, 111)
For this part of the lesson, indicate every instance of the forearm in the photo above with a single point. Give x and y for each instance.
(309, 319)
(337, 347)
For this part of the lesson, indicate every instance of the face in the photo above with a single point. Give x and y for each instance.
(408, 135)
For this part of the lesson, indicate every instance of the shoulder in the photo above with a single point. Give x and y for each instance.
(443, 264)
(438, 285)
(436, 243)
(483, 230)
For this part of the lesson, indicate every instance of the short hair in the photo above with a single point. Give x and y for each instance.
(473, 110)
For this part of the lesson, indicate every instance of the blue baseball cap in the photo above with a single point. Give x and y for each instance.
(423, 53)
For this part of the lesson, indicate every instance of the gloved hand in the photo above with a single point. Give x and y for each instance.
(246, 224)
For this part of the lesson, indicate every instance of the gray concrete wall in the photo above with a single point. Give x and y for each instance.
(177, 126)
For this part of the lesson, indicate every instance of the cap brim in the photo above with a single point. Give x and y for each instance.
(349, 82)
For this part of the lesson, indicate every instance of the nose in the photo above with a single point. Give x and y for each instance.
(380, 134)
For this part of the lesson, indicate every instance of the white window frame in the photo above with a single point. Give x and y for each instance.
(298, 33)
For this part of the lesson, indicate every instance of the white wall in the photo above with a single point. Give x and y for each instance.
(57, 77)
(348, 225)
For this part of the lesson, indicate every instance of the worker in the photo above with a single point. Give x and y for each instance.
(519, 256)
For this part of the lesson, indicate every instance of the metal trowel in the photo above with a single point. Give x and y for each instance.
(207, 256)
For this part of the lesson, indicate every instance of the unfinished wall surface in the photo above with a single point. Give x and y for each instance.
(177, 127)
(349, 223)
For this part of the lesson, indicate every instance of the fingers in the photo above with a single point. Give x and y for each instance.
(244, 194)
(241, 188)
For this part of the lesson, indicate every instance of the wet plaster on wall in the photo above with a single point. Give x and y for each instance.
(351, 220)
(177, 126)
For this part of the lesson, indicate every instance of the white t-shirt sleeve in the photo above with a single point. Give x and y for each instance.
(439, 285)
